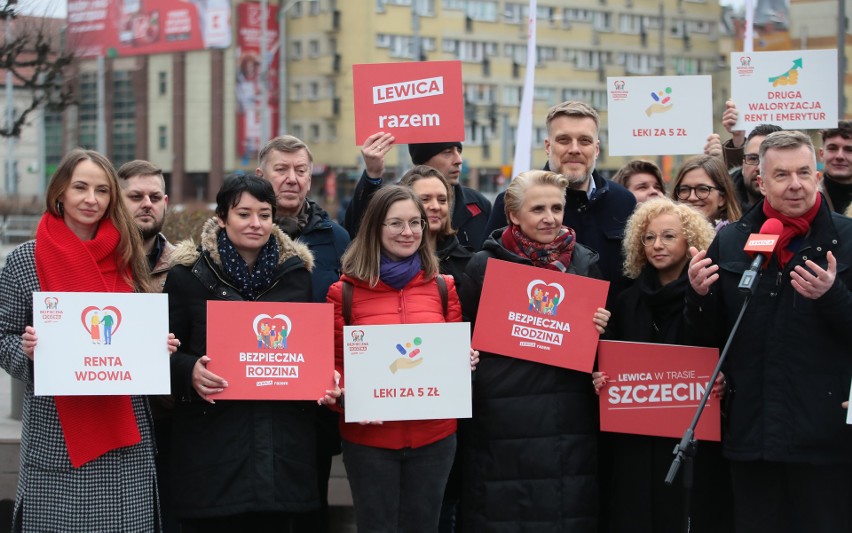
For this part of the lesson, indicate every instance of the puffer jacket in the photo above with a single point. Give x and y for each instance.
(531, 449)
(789, 365)
(419, 302)
(235, 457)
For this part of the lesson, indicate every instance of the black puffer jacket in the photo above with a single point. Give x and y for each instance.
(790, 364)
(235, 457)
(531, 453)
(453, 258)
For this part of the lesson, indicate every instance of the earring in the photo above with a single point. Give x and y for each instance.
(59, 208)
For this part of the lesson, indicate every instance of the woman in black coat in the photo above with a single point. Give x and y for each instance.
(237, 465)
(531, 450)
(634, 497)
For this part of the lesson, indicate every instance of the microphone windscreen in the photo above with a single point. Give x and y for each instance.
(772, 226)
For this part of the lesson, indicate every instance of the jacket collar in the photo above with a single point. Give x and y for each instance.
(822, 235)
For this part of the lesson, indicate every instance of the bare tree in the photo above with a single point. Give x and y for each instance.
(37, 62)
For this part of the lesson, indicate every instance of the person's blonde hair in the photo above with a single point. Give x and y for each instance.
(715, 169)
(422, 172)
(515, 193)
(696, 229)
(362, 259)
(574, 109)
(129, 252)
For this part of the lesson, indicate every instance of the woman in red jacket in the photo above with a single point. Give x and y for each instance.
(397, 470)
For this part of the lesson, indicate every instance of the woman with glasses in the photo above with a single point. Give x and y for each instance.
(634, 497)
(704, 183)
(397, 470)
(531, 461)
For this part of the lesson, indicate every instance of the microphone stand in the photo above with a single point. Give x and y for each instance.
(687, 448)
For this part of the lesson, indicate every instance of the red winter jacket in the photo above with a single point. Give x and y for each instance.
(419, 302)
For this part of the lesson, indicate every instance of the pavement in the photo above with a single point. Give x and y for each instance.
(341, 512)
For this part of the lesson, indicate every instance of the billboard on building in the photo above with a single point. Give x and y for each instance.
(250, 105)
(139, 27)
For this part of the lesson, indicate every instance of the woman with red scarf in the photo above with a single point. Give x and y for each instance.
(87, 462)
(531, 457)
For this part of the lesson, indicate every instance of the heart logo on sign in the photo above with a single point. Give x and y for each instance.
(271, 332)
(101, 323)
(544, 298)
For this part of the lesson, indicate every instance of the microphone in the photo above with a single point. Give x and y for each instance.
(760, 245)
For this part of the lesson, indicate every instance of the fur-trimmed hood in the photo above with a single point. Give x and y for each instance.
(187, 252)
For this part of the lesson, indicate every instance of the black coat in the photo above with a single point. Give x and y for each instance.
(453, 258)
(634, 498)
(531, 451)
(790, 364)
(235, 457)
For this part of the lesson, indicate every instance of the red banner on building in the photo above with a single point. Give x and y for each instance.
(418, 102)
(653, 389)
(250, 105)
(539, 315)
(139, 27)
(271, 351)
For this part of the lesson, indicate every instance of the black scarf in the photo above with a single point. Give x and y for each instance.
(661, 307)
(249, 283)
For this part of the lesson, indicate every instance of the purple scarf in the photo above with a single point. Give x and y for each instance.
(397, 274)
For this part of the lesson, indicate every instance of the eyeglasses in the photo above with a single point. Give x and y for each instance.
(701, 191)
(667, 239)
(397, 226)
(751, 159)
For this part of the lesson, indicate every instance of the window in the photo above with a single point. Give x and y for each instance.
(53, 150)
(297, 131)
(512, 95)
(296, 11)
(314, 7)
(545, 94)
(296, 50)
(313, 48)
(517, 52)
(315, 132)
(587, 59)
(596, 98)
(453, 4)
(162, 83)
(641, 63)
(480, 93)
(297, 92)
(123, 118)
(577, 15)
(473, 51)
(331, 127)
(313, 91)
(482, 10)
(684, 65)
(544, 54)
(162, 138)
(602, 21)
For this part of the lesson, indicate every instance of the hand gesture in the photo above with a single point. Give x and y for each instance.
(204, 382)
(374, 150)
(702, 272)
(816, 282)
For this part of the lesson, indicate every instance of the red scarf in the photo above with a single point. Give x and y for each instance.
(92, 425)
(793, 227)
(555, 255)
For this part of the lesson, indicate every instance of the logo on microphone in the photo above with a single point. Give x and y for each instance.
(761, 243)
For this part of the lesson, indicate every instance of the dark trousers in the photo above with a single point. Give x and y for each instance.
(253, 522)
(792, 497)
(398, 490)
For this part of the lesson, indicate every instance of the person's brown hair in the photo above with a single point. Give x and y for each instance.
(362, 258)
(576, 109)
(284, 143)
(638, 166)
(715, 168)
(421, 172)
(129, 252)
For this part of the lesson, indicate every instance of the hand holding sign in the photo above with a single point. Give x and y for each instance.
(374, 151)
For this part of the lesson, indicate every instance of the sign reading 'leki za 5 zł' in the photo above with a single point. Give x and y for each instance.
(271, 350)
(418, 102)
(539, 315)
(653, 389)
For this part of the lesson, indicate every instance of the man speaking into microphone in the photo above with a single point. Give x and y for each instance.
(789, 366)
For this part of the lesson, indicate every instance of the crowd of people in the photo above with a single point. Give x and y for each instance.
(532, 457)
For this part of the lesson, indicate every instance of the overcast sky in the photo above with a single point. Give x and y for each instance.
(58, 8)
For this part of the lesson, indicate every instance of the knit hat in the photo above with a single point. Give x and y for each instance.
(422, 152)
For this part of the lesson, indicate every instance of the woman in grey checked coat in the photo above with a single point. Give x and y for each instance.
(85, 239)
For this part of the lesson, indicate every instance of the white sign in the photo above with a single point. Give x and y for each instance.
(794, 89)
(407, 372)
(96, 343)
(659, 115)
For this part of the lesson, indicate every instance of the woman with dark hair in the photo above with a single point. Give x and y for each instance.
(704, 183)
(634, 498)
(642, 178)
(437, 197)
(397, 470)
(531, 460)
(237, 465)
(87, 462)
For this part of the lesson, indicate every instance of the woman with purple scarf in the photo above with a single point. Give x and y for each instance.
(531, 457)
(397, 470)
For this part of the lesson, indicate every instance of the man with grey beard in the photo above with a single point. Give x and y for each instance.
(144, 191)
(596, 208)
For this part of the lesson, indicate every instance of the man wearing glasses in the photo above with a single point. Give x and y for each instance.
(745, 177)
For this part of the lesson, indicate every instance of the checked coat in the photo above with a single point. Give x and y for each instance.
(114, 493)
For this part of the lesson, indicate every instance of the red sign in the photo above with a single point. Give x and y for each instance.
(418, 102)
(539, 315)
(140, 27)
(759, 243)
(270, 350)
(250, 105)
(653, 389)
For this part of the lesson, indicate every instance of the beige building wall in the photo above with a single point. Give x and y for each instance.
(160, 110)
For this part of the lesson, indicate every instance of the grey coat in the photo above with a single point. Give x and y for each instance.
(114, 493)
